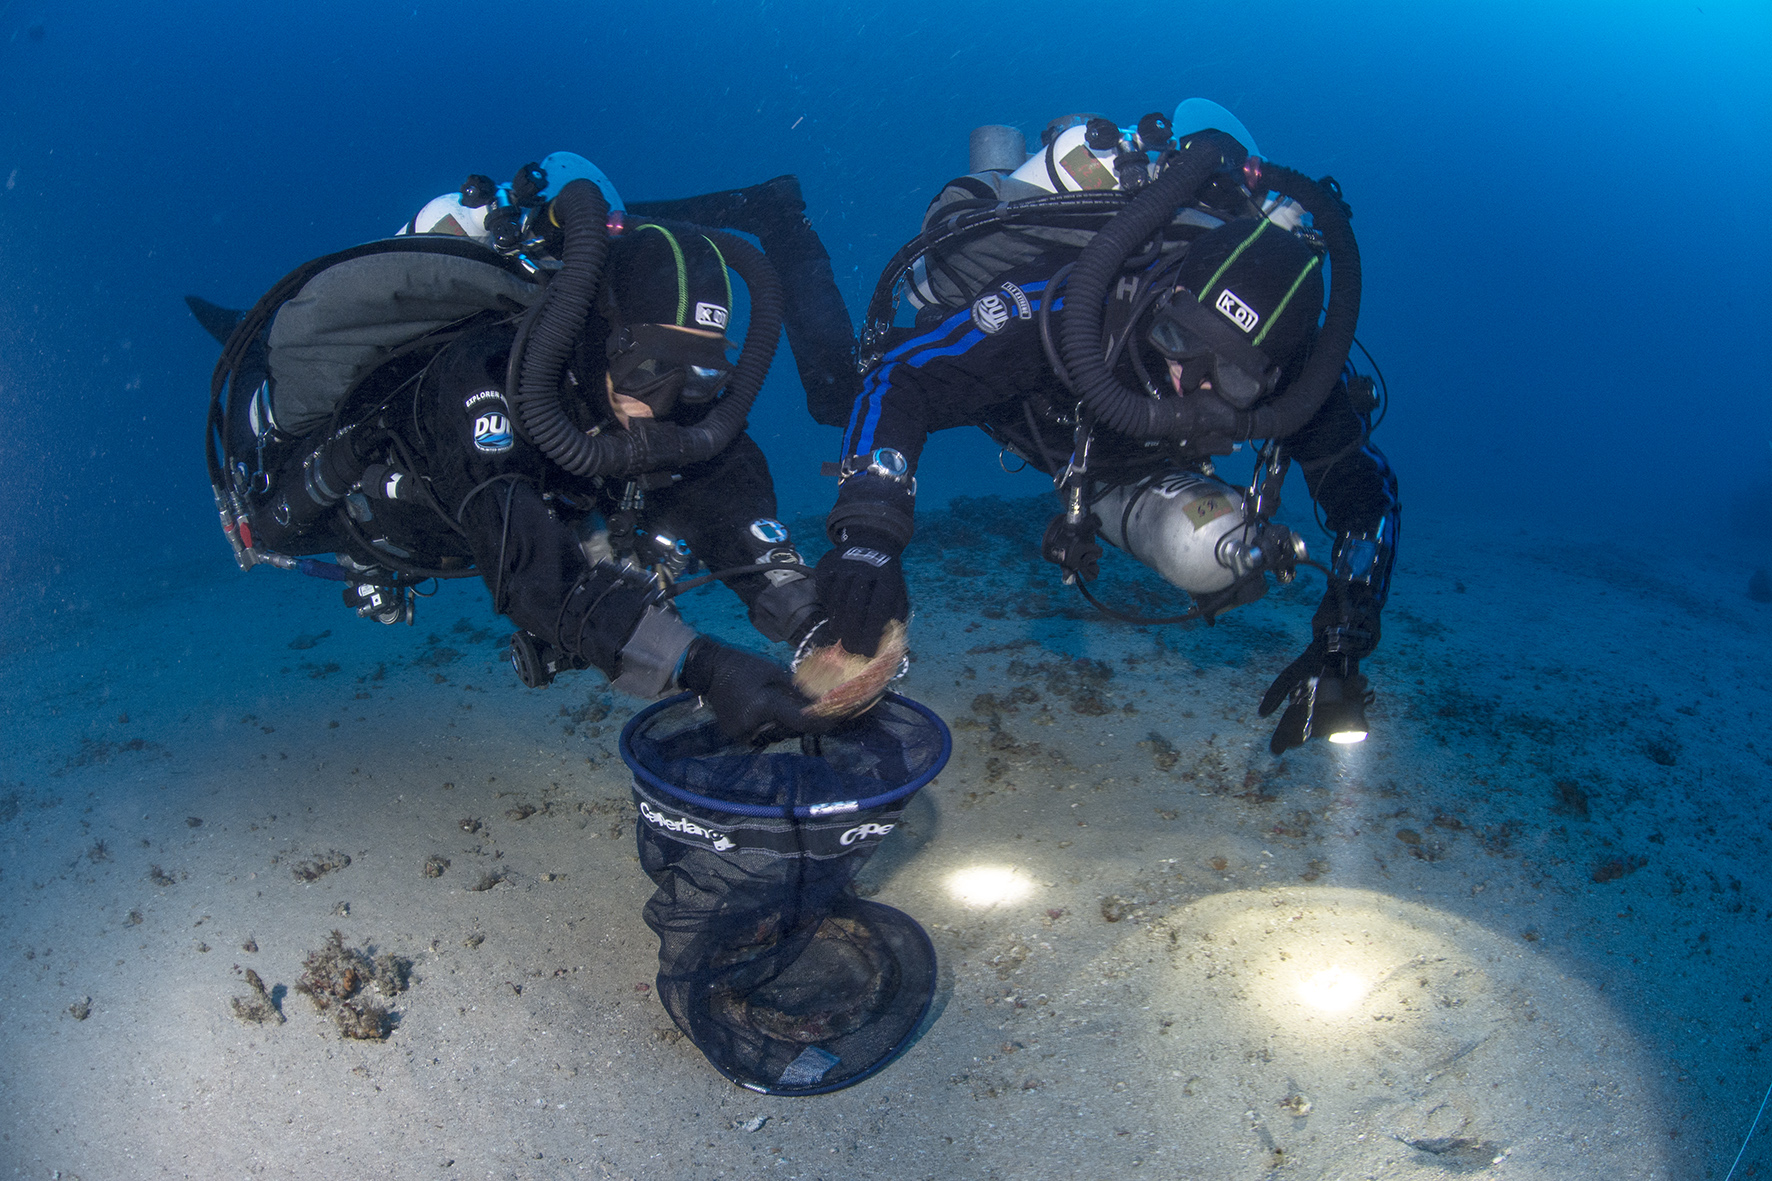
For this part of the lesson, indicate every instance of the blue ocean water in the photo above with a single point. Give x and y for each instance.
(1558, 205)
(1561, 211)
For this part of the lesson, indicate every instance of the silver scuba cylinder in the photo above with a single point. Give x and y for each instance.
(1191, 529)
(996, 148)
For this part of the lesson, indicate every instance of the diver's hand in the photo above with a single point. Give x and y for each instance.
(1328, 703)
(752, 697)
(1325, 682)
(861, 584)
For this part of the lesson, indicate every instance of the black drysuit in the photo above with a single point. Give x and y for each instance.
(462, 487)
(963, 368)
(513, 506)
(976, 357)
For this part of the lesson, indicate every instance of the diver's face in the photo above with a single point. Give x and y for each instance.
(626, 409)
(668, 363)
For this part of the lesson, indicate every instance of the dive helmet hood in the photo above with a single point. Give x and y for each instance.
(1206, 424)
(656, 283)
(1245, 303)
(548, 334)
(656, 276)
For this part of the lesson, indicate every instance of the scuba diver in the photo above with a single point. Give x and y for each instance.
(1116, 310)
(533, 385)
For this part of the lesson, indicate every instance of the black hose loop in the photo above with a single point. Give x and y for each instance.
(1281, 416)
(644, 445)
(583, 215)
(761, 338)
(1127, 411)
(648, 445)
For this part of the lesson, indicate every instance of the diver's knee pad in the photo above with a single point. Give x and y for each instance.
(1192, 529)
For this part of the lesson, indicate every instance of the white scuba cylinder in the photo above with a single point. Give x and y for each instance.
(1069, 165)
(447, 215)
(1187, 527)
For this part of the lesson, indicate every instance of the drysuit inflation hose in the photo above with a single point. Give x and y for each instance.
(547, 339)
(1134, 413)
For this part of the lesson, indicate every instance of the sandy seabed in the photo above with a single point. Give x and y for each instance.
(1522, 932)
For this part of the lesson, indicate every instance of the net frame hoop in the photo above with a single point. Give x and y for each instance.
(778, 812)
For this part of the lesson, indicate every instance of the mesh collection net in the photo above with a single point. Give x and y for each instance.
(787, 981)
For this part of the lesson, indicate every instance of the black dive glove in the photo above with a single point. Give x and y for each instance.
(752, 697)
(1324, 686)
(861, 584)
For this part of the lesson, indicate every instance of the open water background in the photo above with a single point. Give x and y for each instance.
(1560, 209)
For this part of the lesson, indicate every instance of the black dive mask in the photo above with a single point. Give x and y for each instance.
(1209, 348)
(661, 365)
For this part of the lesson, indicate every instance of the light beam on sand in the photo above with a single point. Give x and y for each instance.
(1334, 989)
(987, 885)
(1315, 959)
(1384, 1017)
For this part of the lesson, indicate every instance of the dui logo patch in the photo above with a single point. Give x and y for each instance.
(990, 313)
(492, 432)
(492, 421)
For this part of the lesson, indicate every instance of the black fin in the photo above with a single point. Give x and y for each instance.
(218, 321)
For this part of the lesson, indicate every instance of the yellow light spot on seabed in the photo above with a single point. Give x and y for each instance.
(1334, 990)
(987, 885)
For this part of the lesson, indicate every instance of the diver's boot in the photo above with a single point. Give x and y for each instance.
(760, 209)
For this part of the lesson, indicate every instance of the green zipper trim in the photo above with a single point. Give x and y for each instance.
(1273, 317)
(724, 273)
(682, 272)
(1235, 254)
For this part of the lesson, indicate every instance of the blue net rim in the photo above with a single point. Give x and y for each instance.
(807, 812)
